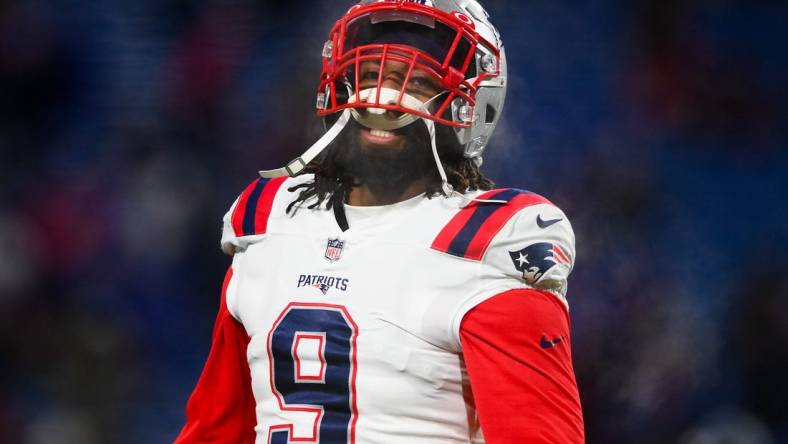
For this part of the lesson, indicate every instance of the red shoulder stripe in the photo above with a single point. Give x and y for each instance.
(497, 220)
(266, 203)
(472, 229)
(240, 208)
(250, 215)
(455, 225)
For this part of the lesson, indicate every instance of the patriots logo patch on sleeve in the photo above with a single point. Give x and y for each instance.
(536, 259)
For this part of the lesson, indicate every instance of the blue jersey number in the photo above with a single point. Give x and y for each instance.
(329, 390)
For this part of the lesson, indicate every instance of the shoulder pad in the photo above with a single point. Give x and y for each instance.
(471, 230)
(248, 216)
(528, 238)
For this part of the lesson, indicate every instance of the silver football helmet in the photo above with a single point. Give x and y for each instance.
(451, 40)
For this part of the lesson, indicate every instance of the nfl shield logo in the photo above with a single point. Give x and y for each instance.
(334, 249)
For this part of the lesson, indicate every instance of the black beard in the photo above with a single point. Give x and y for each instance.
(387, 172)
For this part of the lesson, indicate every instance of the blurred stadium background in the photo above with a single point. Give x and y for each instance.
(127, 127)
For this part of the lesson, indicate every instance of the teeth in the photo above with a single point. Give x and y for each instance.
(381, 133)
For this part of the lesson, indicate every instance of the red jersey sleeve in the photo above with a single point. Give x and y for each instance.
(518, 354)
(222, 408)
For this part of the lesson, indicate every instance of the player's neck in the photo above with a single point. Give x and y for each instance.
(365, 195)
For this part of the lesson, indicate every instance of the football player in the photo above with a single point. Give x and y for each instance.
(380, 290)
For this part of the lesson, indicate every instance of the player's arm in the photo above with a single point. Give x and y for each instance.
(517, 351)
(515, 336)
(222, 406)
(222, 409)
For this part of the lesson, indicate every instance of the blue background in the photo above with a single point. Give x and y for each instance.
(128, 127)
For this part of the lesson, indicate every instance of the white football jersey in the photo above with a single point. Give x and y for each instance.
(354, 335)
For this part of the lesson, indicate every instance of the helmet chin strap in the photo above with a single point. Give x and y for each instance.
(446, 187)
(297, 165)
(376, 118)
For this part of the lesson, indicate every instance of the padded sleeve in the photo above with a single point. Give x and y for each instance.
(229, 242)
(517, 350)
(247, 220)
(536, 247)
(221, 408)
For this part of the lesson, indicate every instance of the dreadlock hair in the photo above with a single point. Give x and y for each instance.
(332, 184)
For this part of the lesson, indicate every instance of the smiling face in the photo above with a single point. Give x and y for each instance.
(389, 160)
(420, 85)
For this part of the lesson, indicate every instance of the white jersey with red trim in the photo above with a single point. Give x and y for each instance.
(354, 335)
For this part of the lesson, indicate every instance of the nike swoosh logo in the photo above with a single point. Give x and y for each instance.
(546, 223)
(545, 343)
